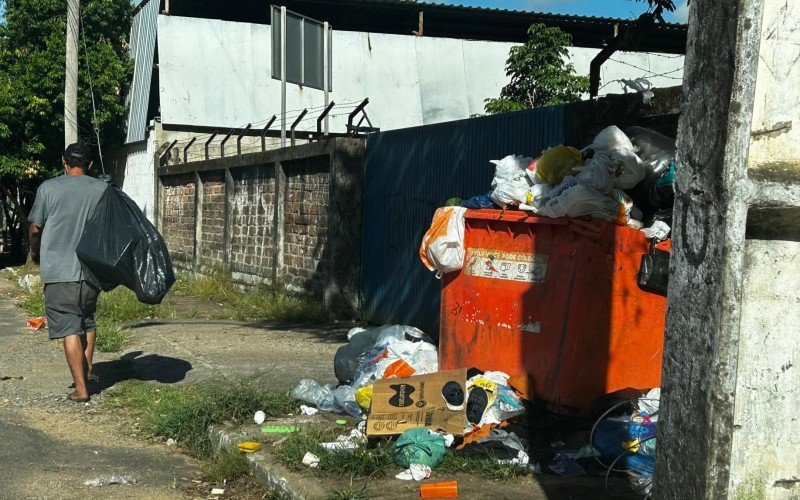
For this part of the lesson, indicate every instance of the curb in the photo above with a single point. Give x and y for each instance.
(265, 467)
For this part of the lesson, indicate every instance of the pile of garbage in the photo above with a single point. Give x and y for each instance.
(622, 177)
(390, 381)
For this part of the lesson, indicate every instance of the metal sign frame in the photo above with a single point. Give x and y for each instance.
(297, 45)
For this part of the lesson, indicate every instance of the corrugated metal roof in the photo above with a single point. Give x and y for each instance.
(440, 20)
(142, 42)
(409, 173)
(572, 17)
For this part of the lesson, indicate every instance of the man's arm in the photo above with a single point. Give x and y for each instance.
(35, 239)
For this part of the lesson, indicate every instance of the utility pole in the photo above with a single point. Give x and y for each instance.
(71, 77)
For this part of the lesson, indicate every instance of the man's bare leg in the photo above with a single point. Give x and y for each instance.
(74, 349)
(89, 352)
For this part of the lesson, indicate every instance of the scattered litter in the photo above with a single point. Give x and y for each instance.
(658, 231)
(109, 480)
(448, 440)
(419, 446)
(311, 460)
(260, 417)
(443, 489)
(341, 421)
(171, 442)
(340, 446)
(217, 491)
(12, 377)
(307, 410)
(415, 472)
(248, 446)
(36, 323)
(279, 429)
(30, 282)
(421, 403)
(565, 464)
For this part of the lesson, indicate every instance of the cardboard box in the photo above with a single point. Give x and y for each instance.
(404, 403)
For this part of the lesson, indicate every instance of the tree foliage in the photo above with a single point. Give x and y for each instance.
(32, 55)
(540, 74)
(32, 46)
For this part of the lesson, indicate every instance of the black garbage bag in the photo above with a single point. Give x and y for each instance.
(119, 246)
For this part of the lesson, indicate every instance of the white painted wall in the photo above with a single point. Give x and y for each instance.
(140, 175)
(217, 73)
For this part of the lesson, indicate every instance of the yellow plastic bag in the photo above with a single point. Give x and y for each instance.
(364, 397)
(248, 446)
(557, 162)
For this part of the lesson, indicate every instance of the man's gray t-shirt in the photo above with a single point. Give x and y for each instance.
(61, 209)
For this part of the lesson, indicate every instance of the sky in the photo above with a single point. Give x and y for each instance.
(625, 9)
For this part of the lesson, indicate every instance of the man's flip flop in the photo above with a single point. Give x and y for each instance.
(93, 378)
(72, 398)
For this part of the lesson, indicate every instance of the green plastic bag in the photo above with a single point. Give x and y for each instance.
(419, 446)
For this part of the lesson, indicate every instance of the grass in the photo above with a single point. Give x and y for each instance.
(485, 467)
(114, 309)
(363, 462)
(110, 338)
(262, 302)
(226, 466)
(185, 413)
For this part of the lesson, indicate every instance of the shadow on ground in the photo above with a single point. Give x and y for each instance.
(134, 366)
(332, 334)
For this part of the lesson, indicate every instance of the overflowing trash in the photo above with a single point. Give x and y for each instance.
(622, 177)
(390, 381)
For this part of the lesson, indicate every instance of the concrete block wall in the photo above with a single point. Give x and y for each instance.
(290, 216)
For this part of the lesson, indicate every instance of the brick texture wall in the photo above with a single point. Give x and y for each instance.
(178, 219)
(306, 222)
(252, 223)
(316, 199)
(212, 217)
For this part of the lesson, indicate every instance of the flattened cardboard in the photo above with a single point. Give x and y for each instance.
(399, 404)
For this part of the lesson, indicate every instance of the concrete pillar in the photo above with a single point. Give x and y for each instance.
(279, 223)
(729, 395)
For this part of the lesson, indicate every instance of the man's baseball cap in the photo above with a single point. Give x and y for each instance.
(78, 151)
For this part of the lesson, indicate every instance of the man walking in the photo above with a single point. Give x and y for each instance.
(57, 221)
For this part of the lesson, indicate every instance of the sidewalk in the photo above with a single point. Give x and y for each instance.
(51, 447)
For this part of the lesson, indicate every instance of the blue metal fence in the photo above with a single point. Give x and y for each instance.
(409, 173)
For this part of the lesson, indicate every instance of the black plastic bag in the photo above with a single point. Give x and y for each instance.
(119, 246)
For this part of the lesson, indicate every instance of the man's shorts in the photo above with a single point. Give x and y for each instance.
(69, 308)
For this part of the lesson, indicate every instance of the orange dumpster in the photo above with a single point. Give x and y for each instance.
(548, 299)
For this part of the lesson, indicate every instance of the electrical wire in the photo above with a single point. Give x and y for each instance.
(96, 125)
(610, 468)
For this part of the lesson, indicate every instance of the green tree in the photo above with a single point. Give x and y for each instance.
(540, 74)
(32, 53)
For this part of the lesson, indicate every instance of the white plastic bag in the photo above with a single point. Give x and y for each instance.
(612, 147)
(509, 167)
(596, 175)
(511, 182)
(442, 248)
(573, 199)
